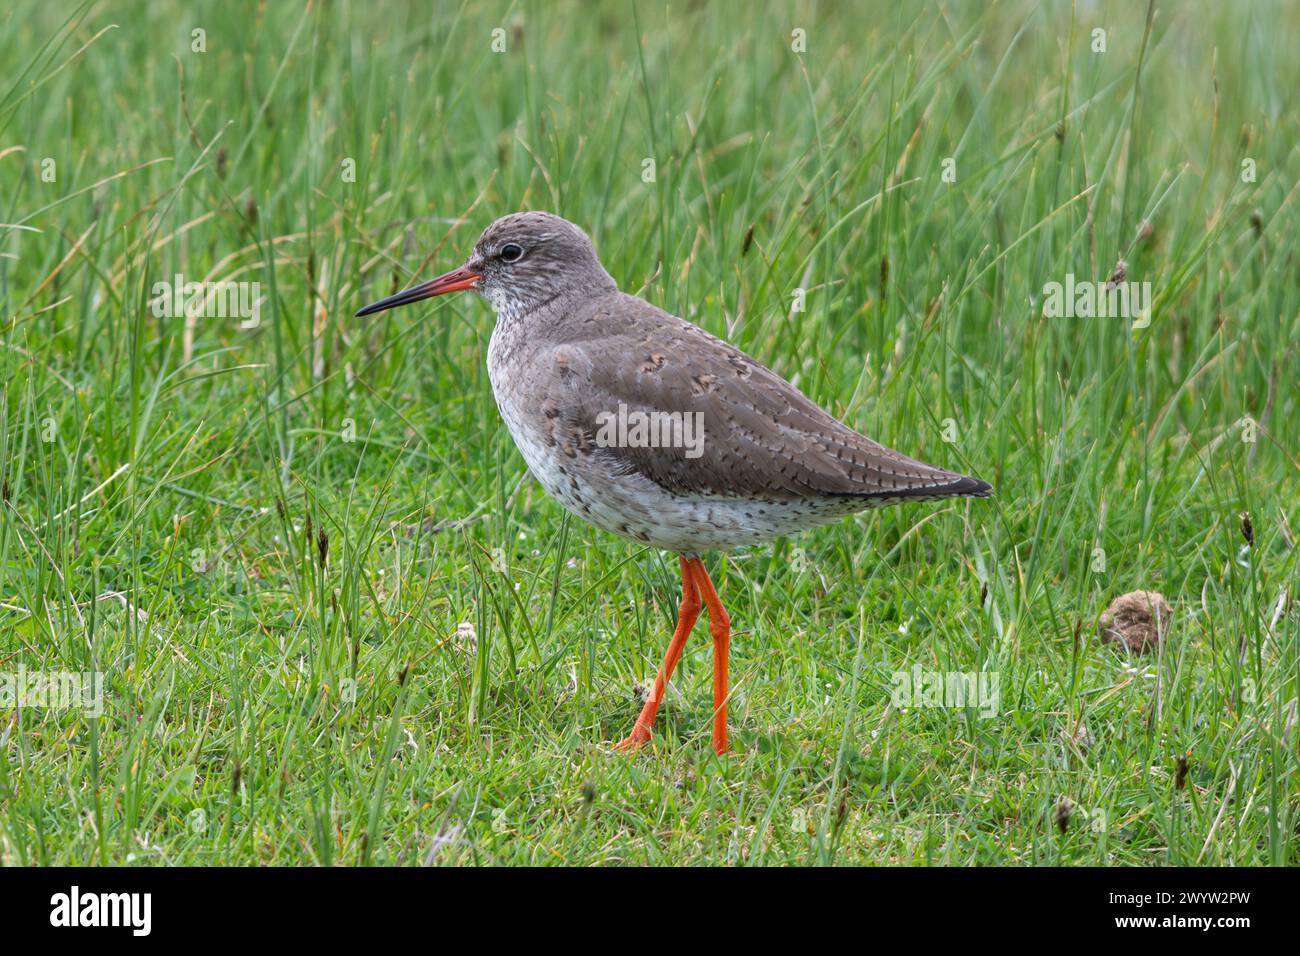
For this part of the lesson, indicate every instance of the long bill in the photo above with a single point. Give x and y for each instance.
(457, 280)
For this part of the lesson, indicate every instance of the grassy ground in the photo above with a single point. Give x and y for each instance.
(441, 688)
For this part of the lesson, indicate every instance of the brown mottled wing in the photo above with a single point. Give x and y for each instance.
(762, 437)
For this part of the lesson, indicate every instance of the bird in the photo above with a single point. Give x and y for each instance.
(647, 426)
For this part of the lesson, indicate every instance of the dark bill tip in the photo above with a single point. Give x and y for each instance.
(455, 281)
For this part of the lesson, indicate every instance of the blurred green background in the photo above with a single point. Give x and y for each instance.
(437, 690)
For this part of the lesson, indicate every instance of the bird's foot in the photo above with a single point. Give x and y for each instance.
(634, 741)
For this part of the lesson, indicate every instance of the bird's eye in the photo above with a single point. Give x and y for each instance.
(511, 252)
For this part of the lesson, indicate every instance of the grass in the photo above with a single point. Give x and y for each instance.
(170, 486)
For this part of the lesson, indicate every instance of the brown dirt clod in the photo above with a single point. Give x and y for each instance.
(1138, 620)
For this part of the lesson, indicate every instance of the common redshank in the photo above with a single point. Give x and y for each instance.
(651, 428)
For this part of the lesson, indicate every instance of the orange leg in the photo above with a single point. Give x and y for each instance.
(720, 627)
(686, 617)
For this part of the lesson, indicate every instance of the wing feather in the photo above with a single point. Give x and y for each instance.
(762, 437)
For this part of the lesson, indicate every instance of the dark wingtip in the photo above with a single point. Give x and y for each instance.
(961, 486)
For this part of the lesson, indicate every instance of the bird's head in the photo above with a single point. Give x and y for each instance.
(522, 261)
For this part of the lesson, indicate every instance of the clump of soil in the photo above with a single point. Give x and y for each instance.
(1138, 620)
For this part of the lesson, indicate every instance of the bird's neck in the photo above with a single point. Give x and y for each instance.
(518, 321)
(538, 309)
(523, 321)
